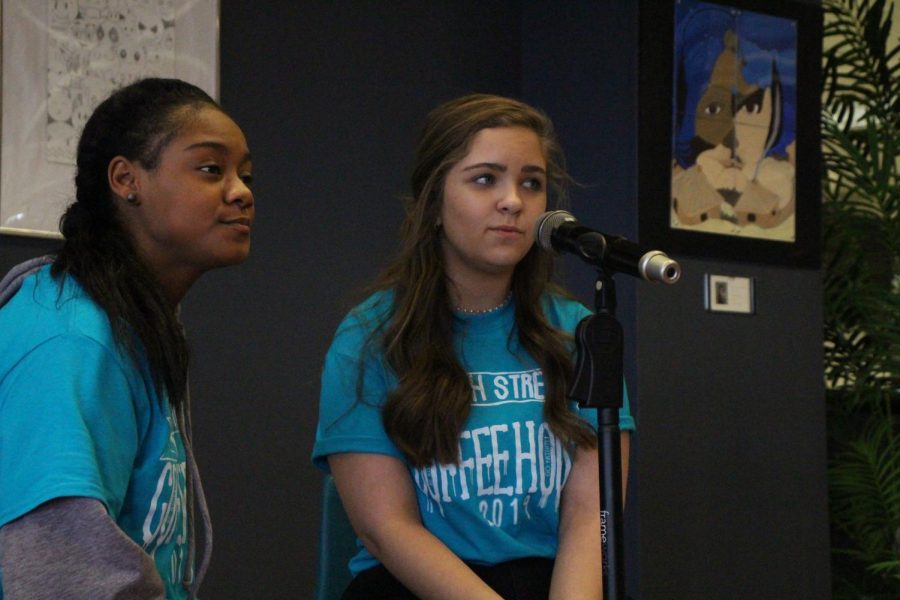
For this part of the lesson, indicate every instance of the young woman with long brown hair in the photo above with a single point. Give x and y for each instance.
(464, 469)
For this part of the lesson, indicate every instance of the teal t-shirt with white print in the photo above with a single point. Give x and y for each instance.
(77, 418)
(501, 500)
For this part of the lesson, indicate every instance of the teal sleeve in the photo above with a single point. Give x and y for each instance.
(348, 423)
(626, 420)
(67, 427)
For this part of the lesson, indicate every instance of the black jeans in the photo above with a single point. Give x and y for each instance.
(522, 579)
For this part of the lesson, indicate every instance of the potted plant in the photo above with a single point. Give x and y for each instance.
(861, 261)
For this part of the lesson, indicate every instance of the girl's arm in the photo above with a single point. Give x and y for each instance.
(71, 548)
(380, 500)
(577, 572)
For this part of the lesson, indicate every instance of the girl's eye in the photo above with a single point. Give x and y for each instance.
(212, 169)
(486, 179)
(247, 178)
(535, 185)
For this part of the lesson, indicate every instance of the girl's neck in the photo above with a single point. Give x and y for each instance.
(485, 295)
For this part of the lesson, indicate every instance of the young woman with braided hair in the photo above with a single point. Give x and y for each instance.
(97, 479)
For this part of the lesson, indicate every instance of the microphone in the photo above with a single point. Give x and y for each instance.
(558, 231)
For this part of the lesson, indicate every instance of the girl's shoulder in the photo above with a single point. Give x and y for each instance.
(563, 311)
(371, 313)
(49, 305)
(362, 321)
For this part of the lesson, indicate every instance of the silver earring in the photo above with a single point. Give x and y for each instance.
(132, 198)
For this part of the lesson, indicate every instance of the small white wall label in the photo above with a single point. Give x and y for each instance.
(728, 294)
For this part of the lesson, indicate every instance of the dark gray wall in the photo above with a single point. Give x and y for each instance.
(733, 426)
(331, 97)
(727, 494)
(580, 65)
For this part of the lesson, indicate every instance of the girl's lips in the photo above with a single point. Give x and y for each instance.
(241, 224)
(507, 229)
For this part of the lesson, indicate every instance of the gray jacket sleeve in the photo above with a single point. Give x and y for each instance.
(71, 548)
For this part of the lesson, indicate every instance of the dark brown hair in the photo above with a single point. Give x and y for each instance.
(424, 415)
(137, 122)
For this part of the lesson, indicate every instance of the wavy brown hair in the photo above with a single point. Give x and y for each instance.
(425, 414)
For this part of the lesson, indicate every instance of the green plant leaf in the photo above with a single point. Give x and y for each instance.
(861, 277)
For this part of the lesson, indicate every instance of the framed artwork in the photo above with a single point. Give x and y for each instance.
(729, 150)
(63, 57)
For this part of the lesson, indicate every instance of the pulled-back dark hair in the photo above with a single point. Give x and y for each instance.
(137, 122)
(425, 414)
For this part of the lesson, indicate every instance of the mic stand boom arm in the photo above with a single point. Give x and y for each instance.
(598, 384)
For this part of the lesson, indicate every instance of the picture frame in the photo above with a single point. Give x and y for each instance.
(61, 59)
(729, 294)
(728, 142)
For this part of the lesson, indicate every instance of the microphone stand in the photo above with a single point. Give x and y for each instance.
(598, 384)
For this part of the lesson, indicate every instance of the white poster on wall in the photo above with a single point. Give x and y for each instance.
(63, 57)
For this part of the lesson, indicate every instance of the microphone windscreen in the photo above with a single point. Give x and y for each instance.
(546, 224)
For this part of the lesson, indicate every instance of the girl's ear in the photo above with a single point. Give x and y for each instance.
(122, 177)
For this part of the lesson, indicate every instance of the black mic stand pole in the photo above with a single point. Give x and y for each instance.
(598, 384)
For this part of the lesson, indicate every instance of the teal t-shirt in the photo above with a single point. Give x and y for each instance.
(501, 500)
(77, 418)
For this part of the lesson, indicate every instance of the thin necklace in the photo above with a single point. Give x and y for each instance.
(484, 311)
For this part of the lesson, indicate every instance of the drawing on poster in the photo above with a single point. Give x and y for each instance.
(734, 121)
(95, 47)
